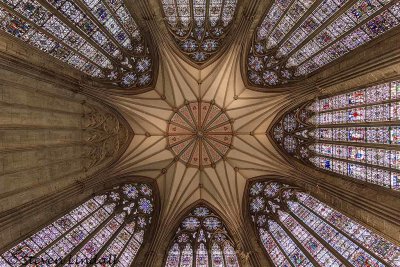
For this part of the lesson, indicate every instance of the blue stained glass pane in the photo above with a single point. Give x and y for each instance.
(90, 226)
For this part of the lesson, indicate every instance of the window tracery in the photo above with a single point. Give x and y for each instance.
(296, 229)
(296, 38)
(199, 26)
(98, 37)
(354, 134)
(108, 228)
(202, 240)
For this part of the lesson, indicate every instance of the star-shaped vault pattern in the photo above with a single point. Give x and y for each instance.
(248, 153)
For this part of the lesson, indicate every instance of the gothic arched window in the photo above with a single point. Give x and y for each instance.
(107, 228)
(296, 229)
(199, 26)
(97, 37)
(354, 134)
(202, 240)
(296, 38)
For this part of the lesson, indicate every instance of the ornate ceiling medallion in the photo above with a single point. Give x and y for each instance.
(200, 134)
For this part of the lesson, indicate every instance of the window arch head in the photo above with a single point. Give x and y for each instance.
(353, 134)
(108, 228)
(199, 27)
(99, 38)
(297, 38)
(202, 240)
(296, 229)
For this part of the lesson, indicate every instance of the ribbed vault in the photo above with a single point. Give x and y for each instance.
(251, 152)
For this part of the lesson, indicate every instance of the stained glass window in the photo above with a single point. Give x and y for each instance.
(202, 240)
(296, 229)
(106, 229)
(97, 37)
(296, 38)
(199, 26)
(354, 134)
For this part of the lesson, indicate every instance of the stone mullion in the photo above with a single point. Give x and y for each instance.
(209, 252)
(344, 234)
(67, 232)
(77, 30)
(207, 27)
(359, 124)
(194, 249)
(177, 12)
(297, 24)
(321, 240)
(223, 255)
(100, 26)
(178, 21)
(343, 35)
(191, 24)
(89, 237)
(298, 244)
(367, 145)
(279, 20)
(45, 32)
(107, 244)
(222, 10)
(359, 105)
(358, 162)
(126, 245)
(279, 247)
(364, 179)
(341, 10)
(180, 255)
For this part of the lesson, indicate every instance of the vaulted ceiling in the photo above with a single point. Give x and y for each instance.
(194, 156)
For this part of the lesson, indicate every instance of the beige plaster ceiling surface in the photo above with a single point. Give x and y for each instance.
(250, 153)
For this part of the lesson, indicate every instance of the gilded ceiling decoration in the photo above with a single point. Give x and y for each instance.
(98, 37)
(199, 27)
(112, 225)
(297, 38)
(200, 134)
(354, 134)
(296, 227)
(202, 240)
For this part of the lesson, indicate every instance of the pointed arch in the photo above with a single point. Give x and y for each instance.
(201, 239)
(99, 38)
(353, 134)
(296, 229)
(199, 28)
(295, 39)
(111, 226)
